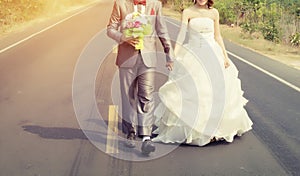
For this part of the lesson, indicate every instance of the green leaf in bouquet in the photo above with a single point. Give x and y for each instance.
(147, 29)
(138, 34)
(128, 33)
(140, 29)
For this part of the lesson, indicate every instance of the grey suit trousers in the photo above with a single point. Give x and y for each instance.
(137, 87)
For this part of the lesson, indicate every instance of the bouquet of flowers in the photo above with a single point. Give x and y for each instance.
(137, 25)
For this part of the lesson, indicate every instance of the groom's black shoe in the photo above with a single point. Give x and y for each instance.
(130, 141)
(148, 147)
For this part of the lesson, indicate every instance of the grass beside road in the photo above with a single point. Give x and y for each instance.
(16, 18)
(280, 52)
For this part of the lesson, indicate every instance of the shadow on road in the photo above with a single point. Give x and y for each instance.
(65, 133)
(55, 132)
(72, 133)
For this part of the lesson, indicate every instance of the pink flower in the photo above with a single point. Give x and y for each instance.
(137, 24)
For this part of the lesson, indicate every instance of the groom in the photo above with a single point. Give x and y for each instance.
(137, 68)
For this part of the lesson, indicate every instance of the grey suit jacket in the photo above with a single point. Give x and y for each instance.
(127, 54)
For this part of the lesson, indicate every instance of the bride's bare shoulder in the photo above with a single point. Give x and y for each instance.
(215, 11)
(190, 11)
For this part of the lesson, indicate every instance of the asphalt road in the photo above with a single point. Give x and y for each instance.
(42, 135)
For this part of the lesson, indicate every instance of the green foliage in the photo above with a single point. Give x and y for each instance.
(295, 39)
(228, 11)
(276, 20)
(249, 27)
(270, 32)
(179, 5)
(264, 16)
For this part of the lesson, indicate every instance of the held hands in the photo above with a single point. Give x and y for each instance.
(226, 63)
(170, 65)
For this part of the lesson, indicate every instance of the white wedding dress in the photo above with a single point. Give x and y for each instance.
(201, 99)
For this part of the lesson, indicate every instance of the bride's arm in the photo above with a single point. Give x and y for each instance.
(182, 31)
(219, 39)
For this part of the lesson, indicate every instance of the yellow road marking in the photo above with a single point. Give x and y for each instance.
(112, 130)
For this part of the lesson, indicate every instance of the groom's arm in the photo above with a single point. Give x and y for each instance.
(163, 35)
(114, 23)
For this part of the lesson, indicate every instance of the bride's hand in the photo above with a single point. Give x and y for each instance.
(226, 63)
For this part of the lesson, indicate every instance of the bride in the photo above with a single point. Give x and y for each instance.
(202, 100)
